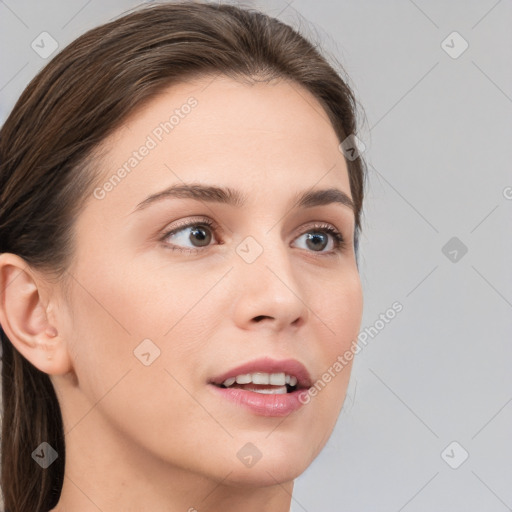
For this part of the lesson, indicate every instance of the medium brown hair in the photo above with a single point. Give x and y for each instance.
(47, 157)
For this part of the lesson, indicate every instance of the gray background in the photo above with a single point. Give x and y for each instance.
(438, 137)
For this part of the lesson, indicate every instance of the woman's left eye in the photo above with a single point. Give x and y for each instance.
(316, 238)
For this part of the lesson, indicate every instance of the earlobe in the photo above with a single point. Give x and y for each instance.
(24, 318)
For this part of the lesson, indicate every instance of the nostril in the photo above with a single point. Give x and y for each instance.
(260, 317)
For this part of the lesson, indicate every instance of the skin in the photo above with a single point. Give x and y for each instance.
(155, 438)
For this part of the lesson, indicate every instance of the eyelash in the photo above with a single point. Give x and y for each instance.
(339, 241)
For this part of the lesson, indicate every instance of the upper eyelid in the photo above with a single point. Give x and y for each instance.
(193, 222)
(217, 226)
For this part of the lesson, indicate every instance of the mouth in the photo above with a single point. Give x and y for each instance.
(261, 388)
(266, 376)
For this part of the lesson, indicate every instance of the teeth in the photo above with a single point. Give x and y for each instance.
(274, 379)
(229, 382)
(274, 391)
(260, 378)
(277, 379)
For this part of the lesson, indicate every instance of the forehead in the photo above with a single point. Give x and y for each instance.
(270, 135)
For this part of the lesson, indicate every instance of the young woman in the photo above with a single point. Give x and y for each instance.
(179, 217)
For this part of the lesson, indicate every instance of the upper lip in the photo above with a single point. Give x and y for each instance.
(268, 365)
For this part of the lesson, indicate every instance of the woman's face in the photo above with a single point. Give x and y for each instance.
(153, 318)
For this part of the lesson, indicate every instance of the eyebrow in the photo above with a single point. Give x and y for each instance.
(229, 196)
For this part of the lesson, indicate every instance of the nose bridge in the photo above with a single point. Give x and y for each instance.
(265, 251)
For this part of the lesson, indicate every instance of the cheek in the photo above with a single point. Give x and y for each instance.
(115, 308)
(339, 309)
(120, 303)
(133, 299)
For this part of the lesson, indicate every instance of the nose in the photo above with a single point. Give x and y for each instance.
(268, 291)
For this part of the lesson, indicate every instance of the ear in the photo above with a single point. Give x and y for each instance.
(24, 319)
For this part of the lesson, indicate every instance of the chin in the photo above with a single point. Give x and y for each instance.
(272, 462)
(265, 475)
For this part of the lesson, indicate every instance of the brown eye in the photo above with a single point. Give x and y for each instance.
(317, 241)
(201, 235)
(189, 237)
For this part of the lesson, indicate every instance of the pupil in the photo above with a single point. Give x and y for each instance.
(315, 239)
(200, 235)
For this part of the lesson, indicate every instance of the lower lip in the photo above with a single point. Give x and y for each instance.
(263, 404)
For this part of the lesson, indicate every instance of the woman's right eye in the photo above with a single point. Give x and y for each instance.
(200, 232)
